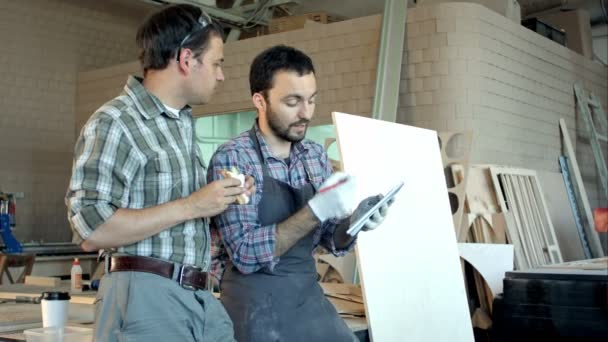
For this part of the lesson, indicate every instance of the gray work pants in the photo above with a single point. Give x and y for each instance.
(138, 306)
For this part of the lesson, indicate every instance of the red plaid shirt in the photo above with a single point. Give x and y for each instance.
(237, 231)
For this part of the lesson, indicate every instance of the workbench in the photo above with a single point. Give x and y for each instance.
(16, 317)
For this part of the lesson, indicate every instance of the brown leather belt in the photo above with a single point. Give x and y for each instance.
(188, 276)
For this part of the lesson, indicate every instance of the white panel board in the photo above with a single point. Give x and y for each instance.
(409, 266)
(561, 215)
(491, 260)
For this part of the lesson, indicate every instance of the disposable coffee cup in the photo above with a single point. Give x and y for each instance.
(54, 309)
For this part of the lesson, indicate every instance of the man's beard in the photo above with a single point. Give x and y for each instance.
(283, 132)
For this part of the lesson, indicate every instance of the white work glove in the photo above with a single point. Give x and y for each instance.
(334, 199)
(377, 218)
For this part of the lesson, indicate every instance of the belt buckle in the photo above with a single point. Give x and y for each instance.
(181, 276)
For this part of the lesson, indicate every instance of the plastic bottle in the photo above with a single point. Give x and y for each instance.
(76, 276)
(11, 211)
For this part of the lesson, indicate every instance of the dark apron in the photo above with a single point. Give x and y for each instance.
(287, 304)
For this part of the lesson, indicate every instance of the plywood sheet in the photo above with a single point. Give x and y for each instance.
(412, 282)
(561, 215)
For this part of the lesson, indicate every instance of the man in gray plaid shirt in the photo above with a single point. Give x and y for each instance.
(138, 188)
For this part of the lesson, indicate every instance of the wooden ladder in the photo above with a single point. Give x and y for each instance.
(588, 106)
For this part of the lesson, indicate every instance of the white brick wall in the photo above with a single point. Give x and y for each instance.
(44, 45)
(505, 82)
(345, 55)
(465, 68)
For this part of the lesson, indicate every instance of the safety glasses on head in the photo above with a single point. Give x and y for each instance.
(204, 20)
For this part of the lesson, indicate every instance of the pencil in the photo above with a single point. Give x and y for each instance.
(335, 185)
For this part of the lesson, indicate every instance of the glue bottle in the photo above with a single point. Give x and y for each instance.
(76, 276)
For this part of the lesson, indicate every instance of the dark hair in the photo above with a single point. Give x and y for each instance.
(275, 59)
(160, 37)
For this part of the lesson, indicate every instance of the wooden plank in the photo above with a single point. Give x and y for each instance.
(531, 222)
(590, 264)
(399, 291)
(517, 235)
(507, 220)
(542, 213)
(529, 226)
(18, 316)
(594, 241)
(12, 291)
(337, 288)
(351, 298)
(347, 306)
(42, 281)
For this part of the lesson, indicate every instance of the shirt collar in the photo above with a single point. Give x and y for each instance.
(149, 106)
(298, 149)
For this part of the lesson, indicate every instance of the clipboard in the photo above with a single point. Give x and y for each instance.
(358, 225)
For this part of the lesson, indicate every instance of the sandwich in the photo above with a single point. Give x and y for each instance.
(234, 173)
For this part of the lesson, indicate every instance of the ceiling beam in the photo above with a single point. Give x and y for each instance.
(390, 56)
(236, 15)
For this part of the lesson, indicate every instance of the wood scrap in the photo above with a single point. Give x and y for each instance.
(42, 281)
(455, 150)
(355, 323)
(340, 270)
(351, 298)
(12, 291)
(344, 289)
(481, 319)
(347, 307)
(487, 228)
(340, 295)
(322, 269)
(481, 288)
(590, 264)
(480, 192)
(335, 164)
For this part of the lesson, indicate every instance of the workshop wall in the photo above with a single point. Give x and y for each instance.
(466, 67)
(345, 55)
(45, 43)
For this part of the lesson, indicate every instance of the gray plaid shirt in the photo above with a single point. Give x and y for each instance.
(134, 153)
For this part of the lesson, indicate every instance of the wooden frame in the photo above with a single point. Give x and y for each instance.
(519, 193)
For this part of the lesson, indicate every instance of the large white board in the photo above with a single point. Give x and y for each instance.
(409, 266)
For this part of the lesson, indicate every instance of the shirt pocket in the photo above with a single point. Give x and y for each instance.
(163, 180)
